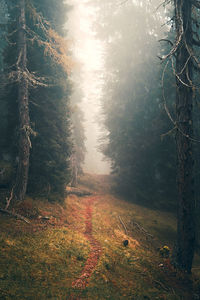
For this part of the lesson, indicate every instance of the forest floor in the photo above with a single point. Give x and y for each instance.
(75, 251)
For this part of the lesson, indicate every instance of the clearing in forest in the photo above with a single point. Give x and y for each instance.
(76, 251)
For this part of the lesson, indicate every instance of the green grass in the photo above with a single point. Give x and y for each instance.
(41, 262)
(41, 265)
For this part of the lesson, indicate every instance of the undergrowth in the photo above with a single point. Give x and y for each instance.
(41, 260)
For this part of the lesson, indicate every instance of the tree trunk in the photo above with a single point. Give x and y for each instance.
(23, 105)
(184, 105)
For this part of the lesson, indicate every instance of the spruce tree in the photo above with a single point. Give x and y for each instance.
(140, 152)
(50, 115)
(46, 76)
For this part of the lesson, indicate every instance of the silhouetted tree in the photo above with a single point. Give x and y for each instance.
(36, 67)
(23, 107)
(184, 136)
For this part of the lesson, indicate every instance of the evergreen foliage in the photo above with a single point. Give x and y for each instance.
(78, 135)
(51, 150)
(49, 91)
(143, 159)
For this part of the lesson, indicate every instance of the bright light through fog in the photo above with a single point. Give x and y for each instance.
(89, 52)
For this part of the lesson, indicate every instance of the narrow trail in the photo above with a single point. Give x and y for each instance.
(95, 250)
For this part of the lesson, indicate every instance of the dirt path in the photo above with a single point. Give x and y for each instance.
(95, 250)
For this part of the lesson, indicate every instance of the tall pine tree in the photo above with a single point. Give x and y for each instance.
(43, 66)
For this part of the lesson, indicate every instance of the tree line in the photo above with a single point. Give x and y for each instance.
(36, 115)
(150, 105)
(151, 108)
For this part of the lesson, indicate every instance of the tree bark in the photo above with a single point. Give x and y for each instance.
(23, 105)
(184, 105)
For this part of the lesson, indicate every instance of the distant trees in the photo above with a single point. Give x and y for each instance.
(139, 107)
(78, 136)
(143, 160)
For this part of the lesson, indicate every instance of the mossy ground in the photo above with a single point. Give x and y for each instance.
(41, 260)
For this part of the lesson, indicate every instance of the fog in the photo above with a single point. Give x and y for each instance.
(88, 73)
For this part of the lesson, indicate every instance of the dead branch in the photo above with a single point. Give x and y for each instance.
(177, 75)
(14, 215)
(143, 230)
(178, 38)
(176, 125)
(33, 80)
(11, 33)
(77, 192)
(9, 199)
(164, 3)
(184, 67)
(196, 3)
(163, 94)
(123, 225)
(161, 285)
(166, 40)
(168, 132)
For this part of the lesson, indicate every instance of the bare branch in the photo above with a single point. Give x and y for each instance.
(163, 94)
(178, 77)
(196, 3)
(168, 132)
(15, 215)
(123, 225)
(164, 3)
(176, 125)
(166, 40)
(11, 33)
(9, 200)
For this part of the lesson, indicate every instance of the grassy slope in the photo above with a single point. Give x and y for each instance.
(41, 260)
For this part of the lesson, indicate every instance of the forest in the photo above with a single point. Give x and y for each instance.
(100, 149)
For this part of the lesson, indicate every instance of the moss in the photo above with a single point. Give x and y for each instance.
(41, 260)
(41, 264)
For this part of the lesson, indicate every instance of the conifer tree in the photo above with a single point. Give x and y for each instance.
(185, 60)
(140, 152)
(78, 153)
(43, 66)
(50, 112)
(24, 143)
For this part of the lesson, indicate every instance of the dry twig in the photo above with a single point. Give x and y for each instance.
(9, 199)
(126, 232)
(143, 230)
(14, 215)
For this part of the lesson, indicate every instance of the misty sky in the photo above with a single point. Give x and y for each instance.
(88, 51)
